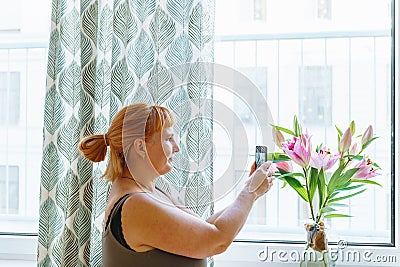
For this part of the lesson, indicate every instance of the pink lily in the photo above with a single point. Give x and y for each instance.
(366, 170)
(323, 159)
(286, 166)
(299, 149)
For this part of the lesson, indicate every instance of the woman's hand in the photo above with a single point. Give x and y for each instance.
(261, 180)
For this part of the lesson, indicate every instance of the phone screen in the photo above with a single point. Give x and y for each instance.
(261, 155)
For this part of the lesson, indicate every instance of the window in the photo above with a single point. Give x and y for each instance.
(9, 184)
(10, 16)
(23, 55)
(327, 73)
(260, 10)
(315, 95)
(324, 9)
(9, 97)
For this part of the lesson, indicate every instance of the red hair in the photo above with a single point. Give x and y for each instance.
(131, 122)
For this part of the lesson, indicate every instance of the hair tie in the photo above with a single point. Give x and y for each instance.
(105, 139)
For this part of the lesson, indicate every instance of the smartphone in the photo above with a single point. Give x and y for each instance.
(261, 155)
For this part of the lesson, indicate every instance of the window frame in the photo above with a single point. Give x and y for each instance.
(240, 251)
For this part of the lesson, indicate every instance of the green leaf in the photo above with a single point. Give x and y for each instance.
(163, 29)
(321, 183)
(70, 84)
(365, 182)
(198, 138)
(345, 178)
(327, 209)
(70, 31)
(141, 55)
(124, 25)
(160, 83)
(183, 111)
(313, 182)
(339, 181)
(200, 27)
(68, 139)
(290, 174)
(345, 197)
(347, 188)
(332, 185)
(179, 10)
(336, 215)
(296, 185)
(198, 194)
(122, 81)
(334, 204)
(143, 8)
(103, 78)
(364, 146)
(54, 111)
(105, 30)
(278, 157)
(197, 87)
(284, 130)
(141, 96)
(50, 223)
(339, 131)
(178, 55)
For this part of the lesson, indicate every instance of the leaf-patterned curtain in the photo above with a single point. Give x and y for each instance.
(104, 55)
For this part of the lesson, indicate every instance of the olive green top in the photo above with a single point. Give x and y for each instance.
(116, 255)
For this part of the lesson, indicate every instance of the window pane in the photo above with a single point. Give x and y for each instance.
(329, 62)
(23, 57)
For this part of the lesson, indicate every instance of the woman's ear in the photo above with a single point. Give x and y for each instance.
(139, 145)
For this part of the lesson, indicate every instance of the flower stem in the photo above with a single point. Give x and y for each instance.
(308, 194)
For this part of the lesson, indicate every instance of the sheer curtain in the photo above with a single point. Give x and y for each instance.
(104, 55)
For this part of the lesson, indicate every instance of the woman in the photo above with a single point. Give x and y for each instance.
(144, 226)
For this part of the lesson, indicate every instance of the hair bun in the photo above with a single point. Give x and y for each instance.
(94, 147)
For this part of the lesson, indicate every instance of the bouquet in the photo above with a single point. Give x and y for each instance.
(324, 174)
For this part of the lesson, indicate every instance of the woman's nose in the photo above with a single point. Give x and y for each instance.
(176, 148)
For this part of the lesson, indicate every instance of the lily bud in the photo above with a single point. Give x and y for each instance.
(369, 132)
(278, 137)
(353, 149)
(345, 141)
(352, 127)
(285, 165)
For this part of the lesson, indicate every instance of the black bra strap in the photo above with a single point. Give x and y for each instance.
(116, 207)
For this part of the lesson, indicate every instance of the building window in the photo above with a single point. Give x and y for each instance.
(260, 10)
(10, 16)
(315, 95)
(9, 98)
(327, 76)
(9, 189)
(257, 76)
(324, 9)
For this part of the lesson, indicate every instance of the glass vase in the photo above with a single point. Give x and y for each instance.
(316, 252)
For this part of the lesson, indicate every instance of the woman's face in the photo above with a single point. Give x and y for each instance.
(161, 149)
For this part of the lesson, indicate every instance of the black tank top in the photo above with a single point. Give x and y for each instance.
(116, 252)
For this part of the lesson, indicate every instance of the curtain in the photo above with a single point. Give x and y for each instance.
(102, 56)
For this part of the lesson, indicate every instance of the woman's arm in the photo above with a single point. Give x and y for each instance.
(149, 222)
